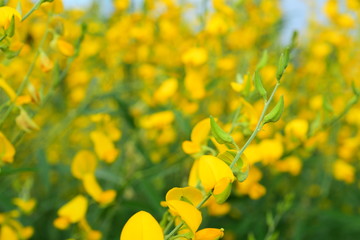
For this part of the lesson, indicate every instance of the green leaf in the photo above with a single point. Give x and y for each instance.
(220, 135)
(283, 63)
(275, 113)
(259, 86)
(263, 60)
(11, 29)
(355, 90)
(269, 219)
(11, 54)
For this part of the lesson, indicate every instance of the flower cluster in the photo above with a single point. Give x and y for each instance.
(169, 119)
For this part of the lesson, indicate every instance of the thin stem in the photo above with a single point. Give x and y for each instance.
(176, 229)
(233, 124)
(257, 128)
(26, 78)
(208, 195)
(33, 9)
(168, 226)
(350, 104)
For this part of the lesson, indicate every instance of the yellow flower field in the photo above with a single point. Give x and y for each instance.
(148, 124)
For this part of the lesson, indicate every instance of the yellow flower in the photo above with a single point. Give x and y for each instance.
(166, 90)
(84, 162)
(212, 170)
(195, 82)
(71, 212)
(271, 150)
(65, 47)
(6, 14)
(121, 5)
(27, 206)
(8, 233)
(297, 128)
(216, 209)
(89, 232)
(104, 147)
(290, 164)
(142, 226)
(45, 63)
(256, 191)
(195, 56)
(216, 25)
(157, 120)
(209, 234)
(343, 171)
(93, 188)
(189, 194)
(7, 150)
(251, 185)
(199, 135)
(187, 212)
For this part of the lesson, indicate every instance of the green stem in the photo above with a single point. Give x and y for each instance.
(33, 9)
(26, 78)
(3, 37)
(168, 226)
(350, 104)
(176, 229)
(257, 128)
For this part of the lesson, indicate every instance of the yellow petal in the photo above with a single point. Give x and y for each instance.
(166, 90)
(191, 147)
(84, 162)
(157, 120)
(25, 205)
(61, 223)
(7, 150)
(212, 170)
(194, 174)
(74, 210)
(65, 48)
(201, 131)
(142, 226)
(104, 147)
(27, 232)
(187, 212)
(91, 186)
(188, 194)
(8, 90)
(209, 234)
(107, 197)
(8, 233)
(6, 14)
(237, 87)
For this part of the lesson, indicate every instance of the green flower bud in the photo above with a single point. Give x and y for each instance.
(275, 113)
(220, 135)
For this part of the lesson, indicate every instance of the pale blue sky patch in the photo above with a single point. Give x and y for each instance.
(296, 12)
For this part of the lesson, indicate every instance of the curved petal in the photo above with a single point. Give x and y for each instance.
(187, 212)
(187, 194)
(212, 170)
(142, 226)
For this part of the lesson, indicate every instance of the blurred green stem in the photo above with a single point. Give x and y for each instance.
(27, 76)
(33, 9)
